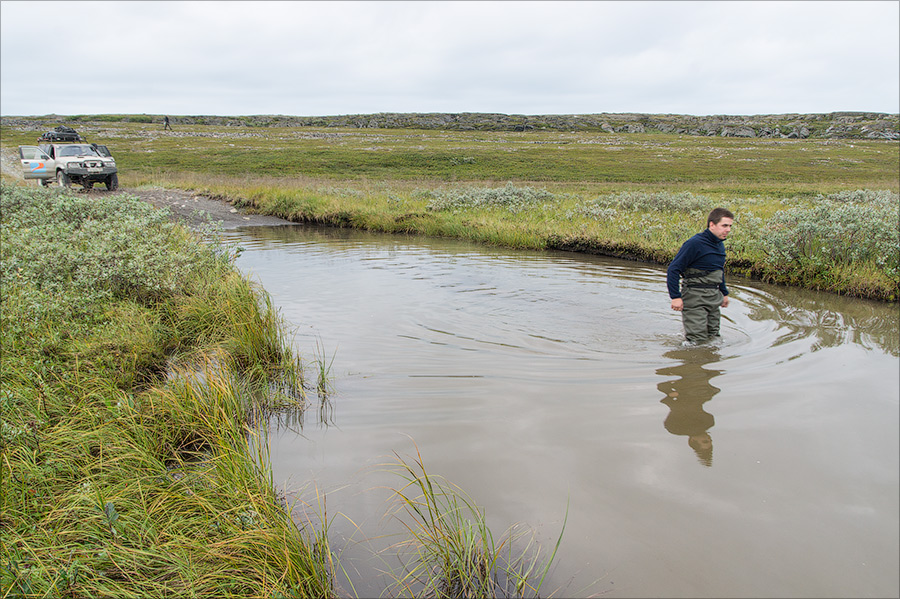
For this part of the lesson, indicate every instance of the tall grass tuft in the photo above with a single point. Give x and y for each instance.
(451, 552)
(324, 378)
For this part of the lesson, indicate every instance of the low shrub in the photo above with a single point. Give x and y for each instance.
(510, 197)
(608, 206)
(843, 229)
(102, 247)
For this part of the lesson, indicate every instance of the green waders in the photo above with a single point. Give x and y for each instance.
(702, 299)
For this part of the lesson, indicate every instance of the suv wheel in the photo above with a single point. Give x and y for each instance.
(112, 182)
(61, 179)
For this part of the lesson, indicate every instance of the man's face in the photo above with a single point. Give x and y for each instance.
(722, 228)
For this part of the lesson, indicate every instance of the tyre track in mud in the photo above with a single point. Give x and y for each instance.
(196, 210)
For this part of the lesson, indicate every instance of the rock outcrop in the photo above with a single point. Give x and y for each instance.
(834, 125)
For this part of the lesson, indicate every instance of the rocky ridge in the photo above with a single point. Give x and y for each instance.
(834, 125)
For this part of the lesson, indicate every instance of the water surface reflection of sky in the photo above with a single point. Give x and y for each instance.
(537, 381)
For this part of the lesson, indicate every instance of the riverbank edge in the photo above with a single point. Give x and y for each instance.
(435, 224)
(128, 438)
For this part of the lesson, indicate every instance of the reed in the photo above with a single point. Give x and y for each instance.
(451, 552)
(324, 380)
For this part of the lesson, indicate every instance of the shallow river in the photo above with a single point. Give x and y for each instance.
(765, 466)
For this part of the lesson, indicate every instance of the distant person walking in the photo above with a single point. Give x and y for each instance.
(701, 263)
(167, 125)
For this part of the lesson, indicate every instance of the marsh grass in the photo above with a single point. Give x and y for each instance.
(324, 385)
(451, 552)
(133, 459)
(324, 379)
(847, 242)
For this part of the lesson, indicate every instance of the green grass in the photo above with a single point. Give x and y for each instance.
(136, 367)
(598, 161)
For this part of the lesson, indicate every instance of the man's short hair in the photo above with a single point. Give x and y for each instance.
(718, 214)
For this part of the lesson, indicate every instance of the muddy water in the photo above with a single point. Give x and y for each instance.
(764, 466)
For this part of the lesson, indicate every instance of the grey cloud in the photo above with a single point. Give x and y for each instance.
(514, 57)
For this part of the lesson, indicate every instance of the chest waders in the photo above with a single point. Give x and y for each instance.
(702, 299)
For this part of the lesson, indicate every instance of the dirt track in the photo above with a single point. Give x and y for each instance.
(197, 210)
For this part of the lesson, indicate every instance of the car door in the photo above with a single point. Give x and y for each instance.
(36, 163)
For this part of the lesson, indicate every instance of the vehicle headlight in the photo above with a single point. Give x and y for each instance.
(75, 165)
(111, 164)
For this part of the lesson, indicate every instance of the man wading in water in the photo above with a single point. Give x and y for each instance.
(701, 261)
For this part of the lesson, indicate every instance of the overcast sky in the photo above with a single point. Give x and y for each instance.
(331, 58)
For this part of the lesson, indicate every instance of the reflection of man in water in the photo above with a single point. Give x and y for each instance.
(686, 395)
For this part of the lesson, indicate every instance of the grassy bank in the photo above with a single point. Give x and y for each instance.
(845, 242)
(820, 214)
(137, 374)
(135, 365)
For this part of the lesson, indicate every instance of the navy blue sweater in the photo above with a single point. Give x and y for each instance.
(703, 251)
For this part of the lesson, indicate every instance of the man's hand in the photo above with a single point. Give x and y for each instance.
(678, 303)
(724, 301)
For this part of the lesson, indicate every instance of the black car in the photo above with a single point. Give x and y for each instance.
(61, 133)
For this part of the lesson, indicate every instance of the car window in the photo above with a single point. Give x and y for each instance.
(30, 153)
(77, 151)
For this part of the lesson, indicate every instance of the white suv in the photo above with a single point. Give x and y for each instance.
(67, 163)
